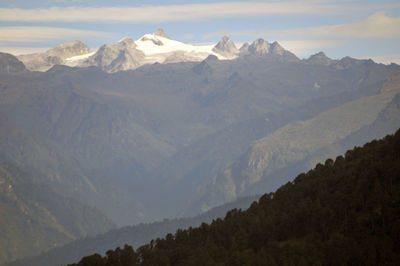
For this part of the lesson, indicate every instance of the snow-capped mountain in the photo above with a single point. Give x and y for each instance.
(157, 47)
(226, 48)
(59, 55)
(149, 49)
(122, 55)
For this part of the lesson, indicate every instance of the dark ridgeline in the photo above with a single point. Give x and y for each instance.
(343, 212)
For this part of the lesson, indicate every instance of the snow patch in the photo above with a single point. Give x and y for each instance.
(148, 45)
(79, 57)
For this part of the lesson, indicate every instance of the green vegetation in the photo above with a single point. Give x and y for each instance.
(135, 235)
(343, 212)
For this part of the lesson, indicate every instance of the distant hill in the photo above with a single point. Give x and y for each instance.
(342, 212)
(33, 218)
(10, 64)
(133, 235)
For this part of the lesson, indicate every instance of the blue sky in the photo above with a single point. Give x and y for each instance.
(361, 29)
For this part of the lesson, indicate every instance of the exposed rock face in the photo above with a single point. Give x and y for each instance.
(156, 41)
(277, 49)
(320, 59)
(263, 48)
(226, 48)
(161, 33)
(122, 55)
(54, 56)
(10, 64)
(67, 50)
(259, 47)
(149, 49)
(244, 49)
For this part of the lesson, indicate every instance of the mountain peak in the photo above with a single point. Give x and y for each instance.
(126, 42)
(161, 33)
(10, 64)
(70, 49)
(276, 48)
(211, 57)
(259, 47)
(319, 59)
(226, 48)
(121, 55)
(244, 49)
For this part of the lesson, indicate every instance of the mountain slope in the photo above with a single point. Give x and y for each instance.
(133, 235)
(120, 56)
(226, 48)
(10, 64)
(344, 212)
(297, 145)
(157, 47)
(119, 130)
(57, 55)
(208, 156)
(35, 219)
(66, 138)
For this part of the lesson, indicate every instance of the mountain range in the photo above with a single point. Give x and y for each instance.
(128, 54)
(154, 128)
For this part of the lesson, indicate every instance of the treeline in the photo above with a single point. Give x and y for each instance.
(343, 212)
(135, 235)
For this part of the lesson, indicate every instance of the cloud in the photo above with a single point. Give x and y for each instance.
(22, 50)
(378, 25)
(44, 34)
(188, 12)
(304, 48)
(384, 59)
(189, 36)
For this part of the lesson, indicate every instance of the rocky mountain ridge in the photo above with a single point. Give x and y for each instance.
(128, 54)
(55, 56)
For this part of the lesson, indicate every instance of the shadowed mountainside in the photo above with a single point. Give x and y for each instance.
(342, 212)
(36, 219)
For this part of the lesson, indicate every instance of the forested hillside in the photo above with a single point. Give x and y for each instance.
(343, 212)
(135, 235)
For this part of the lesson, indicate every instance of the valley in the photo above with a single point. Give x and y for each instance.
(140, 131)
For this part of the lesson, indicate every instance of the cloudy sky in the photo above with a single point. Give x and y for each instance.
(361, 28)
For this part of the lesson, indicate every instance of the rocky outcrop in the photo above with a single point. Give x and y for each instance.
(54, 56)
(122, 55)
(226, 48)
(10, 64)
(161, 33)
